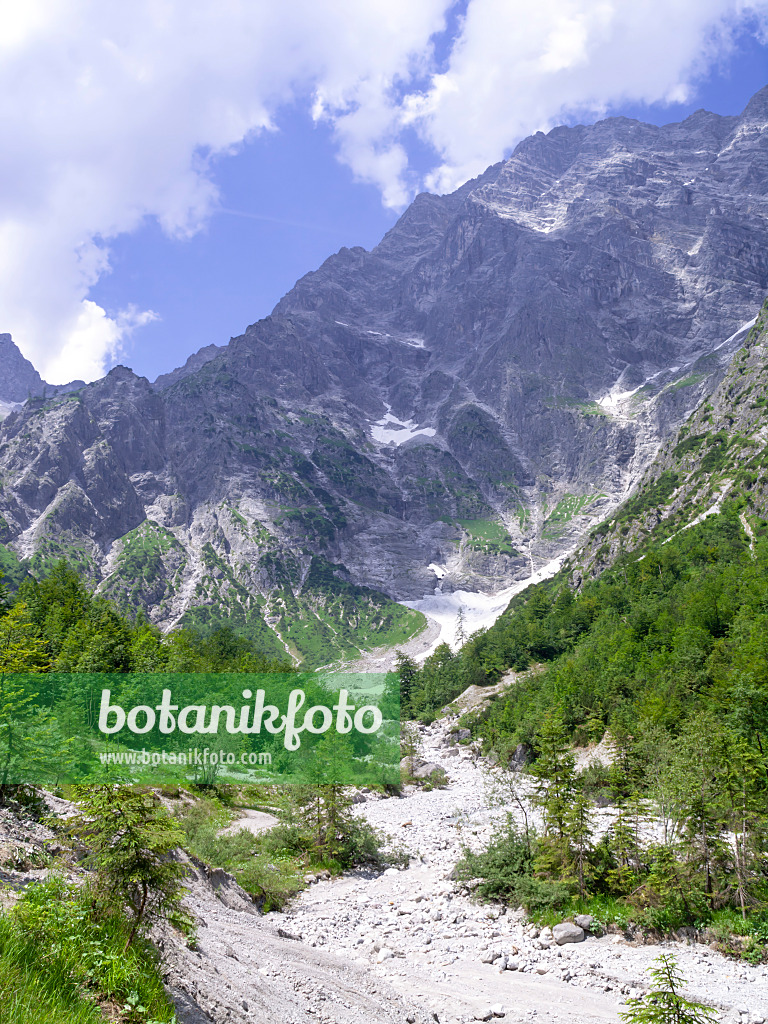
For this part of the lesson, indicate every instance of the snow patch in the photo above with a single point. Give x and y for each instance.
(391, 430)
(477, 610)
(742, 330)
(615, 399)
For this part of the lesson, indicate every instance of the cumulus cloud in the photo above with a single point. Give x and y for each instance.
(114, 113)
(518, 67)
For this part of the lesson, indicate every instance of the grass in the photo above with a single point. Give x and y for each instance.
(270, 877)
(487, 536)
(271, 866)
(688, 382)
(569, 506)
(585, 408)
(61, 963)
(604, 910)
(150, 565)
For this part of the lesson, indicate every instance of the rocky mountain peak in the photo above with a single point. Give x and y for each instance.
(18, 377)
(756, 110)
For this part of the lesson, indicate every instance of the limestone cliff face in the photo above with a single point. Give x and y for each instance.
(473, 393)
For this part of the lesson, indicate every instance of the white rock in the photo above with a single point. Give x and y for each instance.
(567, 932)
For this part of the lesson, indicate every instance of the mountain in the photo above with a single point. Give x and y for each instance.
(718, 458)
(19, 380)
(195, 362)
(472, 395)
(19, 377)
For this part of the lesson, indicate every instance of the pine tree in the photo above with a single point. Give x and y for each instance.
(744, 784)
(461, 636)
(407, 671)
(555, 775)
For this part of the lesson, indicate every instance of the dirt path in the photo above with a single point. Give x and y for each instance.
(382, 659)
(251, 821)
(410, 946)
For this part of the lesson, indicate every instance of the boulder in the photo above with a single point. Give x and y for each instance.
(461, 734)
(426, 770)
(520, 758)
(566, 931)
(584, 921)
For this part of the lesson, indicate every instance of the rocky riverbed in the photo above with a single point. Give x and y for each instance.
(426, 936)
(404, 946)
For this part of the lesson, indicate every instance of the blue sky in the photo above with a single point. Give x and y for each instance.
(166, 178)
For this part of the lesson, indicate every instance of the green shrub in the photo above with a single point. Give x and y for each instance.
(506, 870)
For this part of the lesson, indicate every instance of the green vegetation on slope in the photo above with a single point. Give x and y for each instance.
(72, 631)
(317, 832)
(488, 536)
(332, 619)
(666, 653)
(567, 508)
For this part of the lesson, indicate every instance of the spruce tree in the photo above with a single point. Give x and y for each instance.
(130, 840)
(664, 1004)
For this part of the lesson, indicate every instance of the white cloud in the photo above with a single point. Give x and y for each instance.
(110, 113)
(518, 67)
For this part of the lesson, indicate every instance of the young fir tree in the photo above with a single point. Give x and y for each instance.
(702, 753)
(555, 775)
(624, 843)
(322, 806)
(747, 797)
(664, 1004)
(407, 672)
(130, 840)
(578, 832)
